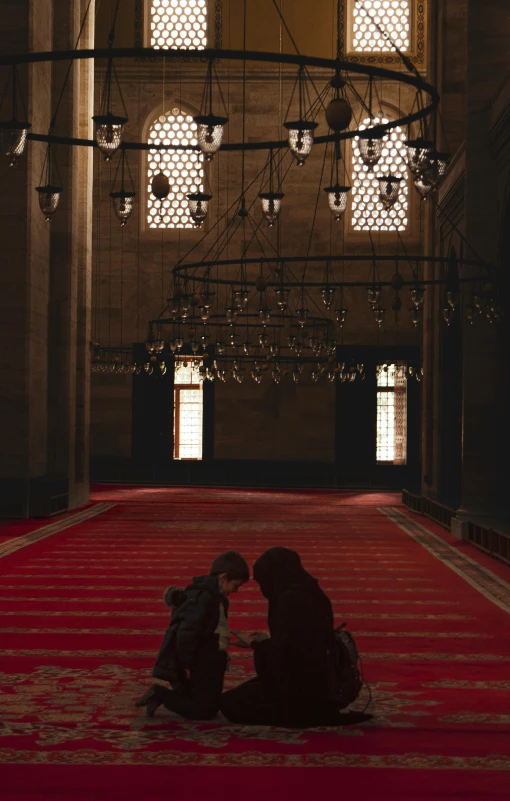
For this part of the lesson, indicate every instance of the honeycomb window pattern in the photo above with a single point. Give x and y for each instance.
(393, 16)
(178, 24)
(367, 212)
(183, 168)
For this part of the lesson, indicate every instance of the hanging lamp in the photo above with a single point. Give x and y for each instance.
(301, 131)
(389, 187)
(210, 127)
(271, 201)
(109, 127)
(14, 133)
(49, 193)
(123, 200)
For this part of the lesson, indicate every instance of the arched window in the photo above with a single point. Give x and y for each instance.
(393, 16)
(183, 168)
(367, 212)
(178, 23)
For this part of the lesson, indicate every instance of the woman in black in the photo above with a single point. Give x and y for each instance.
(292, 665)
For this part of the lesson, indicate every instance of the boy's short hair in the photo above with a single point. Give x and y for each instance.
(233, 564)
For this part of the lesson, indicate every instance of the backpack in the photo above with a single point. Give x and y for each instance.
(346, 669)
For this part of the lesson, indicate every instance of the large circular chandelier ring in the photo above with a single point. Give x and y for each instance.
(378, 73)
(182, 271)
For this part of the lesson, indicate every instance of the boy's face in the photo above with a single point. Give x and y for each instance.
(228, 587)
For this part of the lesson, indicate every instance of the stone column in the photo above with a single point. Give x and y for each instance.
(45, 280)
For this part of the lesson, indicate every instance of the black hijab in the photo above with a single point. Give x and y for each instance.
(277, 570)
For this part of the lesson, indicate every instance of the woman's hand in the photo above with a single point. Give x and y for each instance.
(243, 640)
(259, 636)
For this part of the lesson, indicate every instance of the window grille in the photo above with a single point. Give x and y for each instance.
(178, 24)
(183, 167)
(188, 411)
(368, 213)
(391, 424)
(393, 16)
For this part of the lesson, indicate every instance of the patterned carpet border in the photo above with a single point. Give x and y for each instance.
(17, 543)
(148, 654)
(492, 587)
(257, 759)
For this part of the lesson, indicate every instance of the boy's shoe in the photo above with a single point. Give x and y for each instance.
(146, 696)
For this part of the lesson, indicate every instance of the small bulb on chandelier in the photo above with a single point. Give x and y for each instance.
(231, 314)
(415, 316)
(373, 295)
(341, 316)
(379, 315)
(448, 315)
(301, 135)
(327, 294)
(282, 298)
(291, 340)
(302, 315)
(109, 133)
(417, 297)
(241, 297)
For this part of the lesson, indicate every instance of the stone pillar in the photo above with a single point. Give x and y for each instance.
(485, 363)
(71, 259)
(45, 291)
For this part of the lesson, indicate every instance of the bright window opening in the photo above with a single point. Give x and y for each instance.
(188, 411)
(392, 16)
(178, 23)
(183, 168)
(368, 213)
(391, 427)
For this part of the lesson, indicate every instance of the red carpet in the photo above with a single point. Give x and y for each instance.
(83, 618)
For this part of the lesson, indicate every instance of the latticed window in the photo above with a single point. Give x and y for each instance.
(368, 213)
(183, 167)
(188, 411)
(178, 23)
(391, 426)
(393, 16)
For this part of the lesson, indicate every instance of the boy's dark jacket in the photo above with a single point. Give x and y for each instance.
(195, 617)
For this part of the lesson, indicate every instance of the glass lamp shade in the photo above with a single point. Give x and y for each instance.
(337, 199)
(327, 294)
(123, 205)
(282, 298)
(197, 206)
(205, 313)
(271, 206)
(374, 295)
(298, 347)
(415, 316)
(438, 169)
(263, 339)
(291, 340)
(241, 298)
(274, 349)
(341, 316)
(422, 185)
(417, 296)
(220, 347)
(210, 133)
(14, 139)
(231, 314)
(389, 187)
(301, 135)
(419, 155)
(370, 146)
(379, 315)
(302, 315)
(247, 348)
(265, 316)
(49, 197)
(315, 375)
(109, 132)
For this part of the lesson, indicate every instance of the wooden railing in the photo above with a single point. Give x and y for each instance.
(428, 507)
(495, 543)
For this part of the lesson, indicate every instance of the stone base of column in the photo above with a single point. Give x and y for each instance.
(43, 496)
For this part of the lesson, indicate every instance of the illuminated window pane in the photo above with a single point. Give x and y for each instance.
(392, 16)
(188, 411)
(367, 212)
(178, 23)
(184, 170)
(391, 423)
